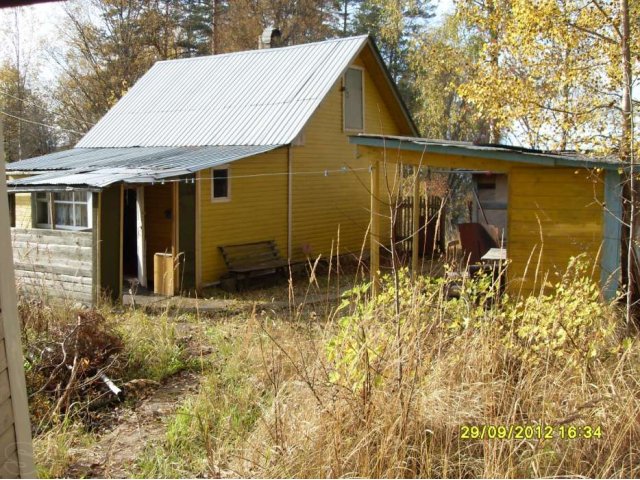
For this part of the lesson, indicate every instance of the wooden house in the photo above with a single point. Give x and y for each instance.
(206, 152)
(298, 146)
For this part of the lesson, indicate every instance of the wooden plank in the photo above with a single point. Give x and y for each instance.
(5, 389)
(57, 269)
(374, 240)
(7, 445)
(79, 280)
(611, 268)
(73, 240)
(62, 288)
(198, 233)
(3, 355)
(121, 241)
(51, 233)
(54, 295)
(6, 414)
(415, 240)
(53, 253)
(17, 405)
(10, 468)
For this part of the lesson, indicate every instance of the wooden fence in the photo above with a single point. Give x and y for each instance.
(54, 263)
(432, 235)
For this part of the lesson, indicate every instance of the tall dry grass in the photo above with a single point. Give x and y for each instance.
(388, 386)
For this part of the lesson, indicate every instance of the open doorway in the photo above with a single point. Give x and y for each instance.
(129, 236)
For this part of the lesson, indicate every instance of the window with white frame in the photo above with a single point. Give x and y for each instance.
(220, 190)
(353, 99)
(71, 210)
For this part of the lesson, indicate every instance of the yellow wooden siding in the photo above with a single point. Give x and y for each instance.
(157, 221)
(256, 210)
(23, 210)
(556, 211)
(337, 201)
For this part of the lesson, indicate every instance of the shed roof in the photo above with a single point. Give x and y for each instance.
(258, 97)
(496, 152)
(100, 167)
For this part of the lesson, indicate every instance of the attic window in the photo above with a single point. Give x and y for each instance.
(353, 99)
(219, 184)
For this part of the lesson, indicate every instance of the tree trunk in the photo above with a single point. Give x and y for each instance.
(627, 156)
(215, 27)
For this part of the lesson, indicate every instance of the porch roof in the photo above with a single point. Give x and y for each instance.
(504, 153)
(97, 168)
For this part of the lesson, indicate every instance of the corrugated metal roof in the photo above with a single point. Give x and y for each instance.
(158, 158)
(259, 97)
(101, 167)
(492, 151)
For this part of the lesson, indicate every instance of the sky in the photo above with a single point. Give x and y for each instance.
(40, 35)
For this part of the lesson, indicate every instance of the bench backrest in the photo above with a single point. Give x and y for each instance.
(250, 254)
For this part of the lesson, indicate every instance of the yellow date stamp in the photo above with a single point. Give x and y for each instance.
(530, 432)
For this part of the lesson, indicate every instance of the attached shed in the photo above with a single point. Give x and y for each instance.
(557, 205)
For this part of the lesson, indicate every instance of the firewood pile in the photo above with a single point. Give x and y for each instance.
(73, 363)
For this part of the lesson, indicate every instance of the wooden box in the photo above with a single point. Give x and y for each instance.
(163, 274)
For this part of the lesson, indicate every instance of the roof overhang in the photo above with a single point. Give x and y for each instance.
(465, 149)
(95, 169)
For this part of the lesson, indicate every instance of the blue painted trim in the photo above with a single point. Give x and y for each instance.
(610, 268)
(492, 153)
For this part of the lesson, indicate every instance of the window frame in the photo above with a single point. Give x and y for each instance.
(227, 198)
(50, 197)
(35, 206)
(344, 99)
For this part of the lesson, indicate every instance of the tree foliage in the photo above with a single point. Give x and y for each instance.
(26, 117)
(550, 75)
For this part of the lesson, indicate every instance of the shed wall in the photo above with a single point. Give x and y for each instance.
(23, 210)
(57, 263)
(554, 214)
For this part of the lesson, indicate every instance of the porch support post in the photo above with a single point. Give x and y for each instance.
(610, 268)
(374, 243)
(415, 239)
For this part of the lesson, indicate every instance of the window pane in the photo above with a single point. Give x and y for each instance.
(81, 215)
(63, 196)
(353, 100)
(220, 183)
(42, 212)
(64, 214)
(41, 196)
(80, 196)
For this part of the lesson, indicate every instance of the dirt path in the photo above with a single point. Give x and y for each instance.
(115, 452)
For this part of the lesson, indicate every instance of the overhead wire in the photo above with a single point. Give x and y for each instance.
(56, 127)
(27, 102)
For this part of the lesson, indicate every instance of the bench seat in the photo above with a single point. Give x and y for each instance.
(253, 259)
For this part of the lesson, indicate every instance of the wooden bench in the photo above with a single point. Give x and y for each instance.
(254, 259)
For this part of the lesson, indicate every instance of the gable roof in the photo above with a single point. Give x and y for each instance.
(258, 97)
